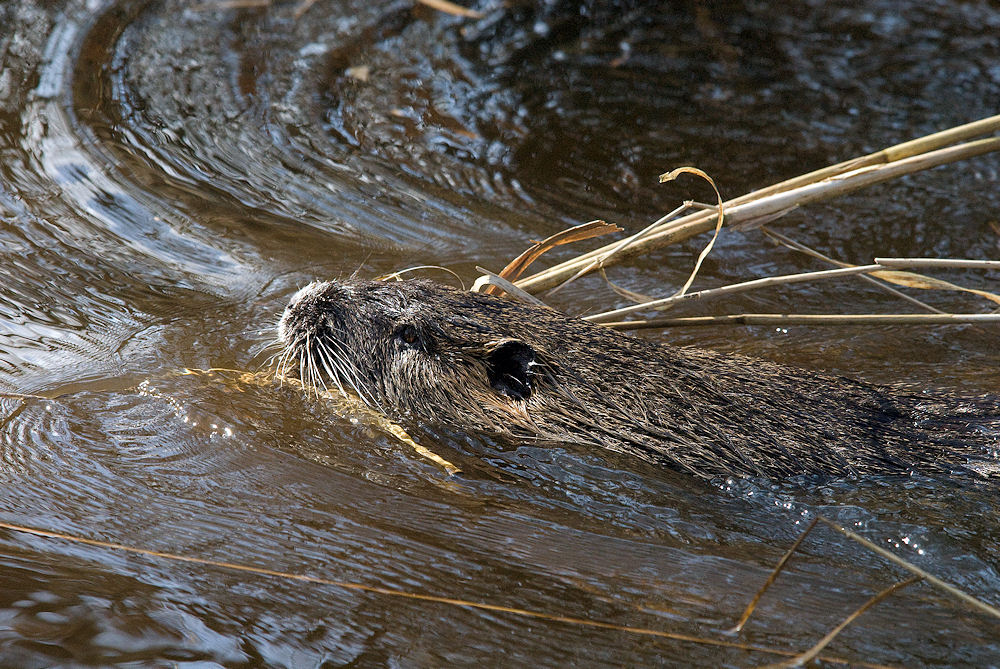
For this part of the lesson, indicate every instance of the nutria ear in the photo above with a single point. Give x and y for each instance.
(508, 364)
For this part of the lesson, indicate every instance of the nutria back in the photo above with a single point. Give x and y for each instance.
(421, 352)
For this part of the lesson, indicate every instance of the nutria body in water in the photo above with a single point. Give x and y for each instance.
(417, 351)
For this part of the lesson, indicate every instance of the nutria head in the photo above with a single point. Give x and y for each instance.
(412, 349)
(419, 352)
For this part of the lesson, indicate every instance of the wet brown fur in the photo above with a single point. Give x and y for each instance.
(418, 351)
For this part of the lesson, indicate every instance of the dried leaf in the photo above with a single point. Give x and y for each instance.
(488, 278)
(600, 259)
(577, 233)
(670, 176)
(911, 280)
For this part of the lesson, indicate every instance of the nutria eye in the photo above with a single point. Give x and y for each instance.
(408, 334)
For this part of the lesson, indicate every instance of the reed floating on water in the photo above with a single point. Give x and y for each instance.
(764, 206)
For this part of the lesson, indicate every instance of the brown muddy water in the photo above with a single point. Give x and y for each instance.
(170, 173)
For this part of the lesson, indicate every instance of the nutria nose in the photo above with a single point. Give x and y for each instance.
(301, 304)
(310, 289)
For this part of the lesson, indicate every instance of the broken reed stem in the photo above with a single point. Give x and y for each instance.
(416, 596)
(913, 569)
(488, 278)
(772, 202)
(918, 575)
(810, 319)
(771, 578)
(811, 654)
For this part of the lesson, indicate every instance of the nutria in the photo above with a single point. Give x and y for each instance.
(417, 351)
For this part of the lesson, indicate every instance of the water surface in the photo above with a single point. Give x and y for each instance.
(171, 172)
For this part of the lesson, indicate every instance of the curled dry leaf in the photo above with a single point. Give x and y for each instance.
(670, 176)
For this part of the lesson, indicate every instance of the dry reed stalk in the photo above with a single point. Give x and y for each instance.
(891, 154)
(719, 221)
(778, 568)
(337, 399)
(779, 238)
(882, 271)
(488, 279)
(933, 580)
(732, 289)
(918, 576)
(452, 8)
(598, 262)
(782, 320)
(422, 597)
(903, 278)
(925, 282)
(398, 274)
(810, 655)
(938, 263)
(767, 204)
(518, 265)
(221, 5)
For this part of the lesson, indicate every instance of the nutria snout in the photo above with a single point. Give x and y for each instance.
(417, 351)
